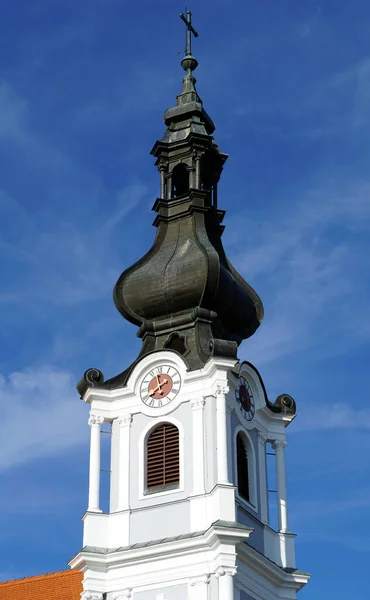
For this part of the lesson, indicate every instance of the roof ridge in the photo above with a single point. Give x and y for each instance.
(51, 575)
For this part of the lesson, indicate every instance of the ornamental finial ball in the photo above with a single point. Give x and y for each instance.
(189, 63)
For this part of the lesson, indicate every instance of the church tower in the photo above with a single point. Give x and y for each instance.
(192, 428)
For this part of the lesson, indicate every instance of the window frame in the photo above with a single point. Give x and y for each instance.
(149, 491)
(142, 456)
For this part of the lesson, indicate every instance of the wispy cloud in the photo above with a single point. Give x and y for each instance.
(42, 415)
(310, 256)
(56, 261)
(332, 416)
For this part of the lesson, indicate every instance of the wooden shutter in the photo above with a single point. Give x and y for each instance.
(243, 474)
(162, 457)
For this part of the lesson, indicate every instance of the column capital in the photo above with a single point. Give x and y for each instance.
(125, 420)
(197, 403)
(262, 437)
(95, 420)
(279, 444)
(123, 595)
(221, 571)
(200, 580)
(221, 390)
(91, 596)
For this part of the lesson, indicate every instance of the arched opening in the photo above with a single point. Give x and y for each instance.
(180, 180)
(242, 466)
(162, 458)
(176, 342)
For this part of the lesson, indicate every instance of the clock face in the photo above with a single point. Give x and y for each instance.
(160, 386)
(244, 397)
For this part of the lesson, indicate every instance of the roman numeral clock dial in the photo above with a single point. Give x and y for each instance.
(244, 398)
(160, 386)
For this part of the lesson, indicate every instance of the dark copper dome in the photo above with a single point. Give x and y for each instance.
(184, 293)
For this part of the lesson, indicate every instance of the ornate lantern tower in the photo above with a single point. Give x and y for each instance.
(189, 514)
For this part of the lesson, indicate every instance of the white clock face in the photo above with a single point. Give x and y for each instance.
(244, 397)
(160, 386)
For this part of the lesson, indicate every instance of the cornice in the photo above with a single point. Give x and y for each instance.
(274, 574)
(208, 540)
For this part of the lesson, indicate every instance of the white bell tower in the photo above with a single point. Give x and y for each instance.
(190, 514)
(205, 534)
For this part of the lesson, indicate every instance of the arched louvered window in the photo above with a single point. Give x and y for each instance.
(243, 467)
(162, 458)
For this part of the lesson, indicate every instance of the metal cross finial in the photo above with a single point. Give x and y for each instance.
(189, 30)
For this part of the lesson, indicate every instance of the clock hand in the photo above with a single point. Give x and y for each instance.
(158, 387)
(154, 390)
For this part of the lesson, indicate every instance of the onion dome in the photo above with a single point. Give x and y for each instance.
(184, 294)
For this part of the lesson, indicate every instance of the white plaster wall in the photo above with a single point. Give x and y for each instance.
(256, 539)
(114, 467)
(159, 521)
(173, 592)
(210, 443)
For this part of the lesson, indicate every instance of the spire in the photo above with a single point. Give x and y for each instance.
(184, 294)
(188, 63)
(188, 115)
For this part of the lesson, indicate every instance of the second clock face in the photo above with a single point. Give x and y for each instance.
(244, 397)
(160, 386)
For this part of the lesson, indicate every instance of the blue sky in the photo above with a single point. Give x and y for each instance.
(83, 89)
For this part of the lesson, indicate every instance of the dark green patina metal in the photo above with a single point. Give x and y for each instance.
(184, 294)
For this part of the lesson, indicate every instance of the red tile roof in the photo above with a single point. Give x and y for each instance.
(63, 585)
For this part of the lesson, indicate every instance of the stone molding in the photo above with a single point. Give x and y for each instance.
(200, 580)
(125, 420)
(197, 403)
(123, 595)
(95, 420)
(221, 390)
(279, 444)
(262, 437)
(91, 596)
(221, 571)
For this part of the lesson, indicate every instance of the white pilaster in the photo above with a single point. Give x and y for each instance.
(223, 426)
(198, 445)
(91, 596)
(199, 587)
(124, 462)
(95, 423)
(262, 439)
(279, 447)
(225, 577)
